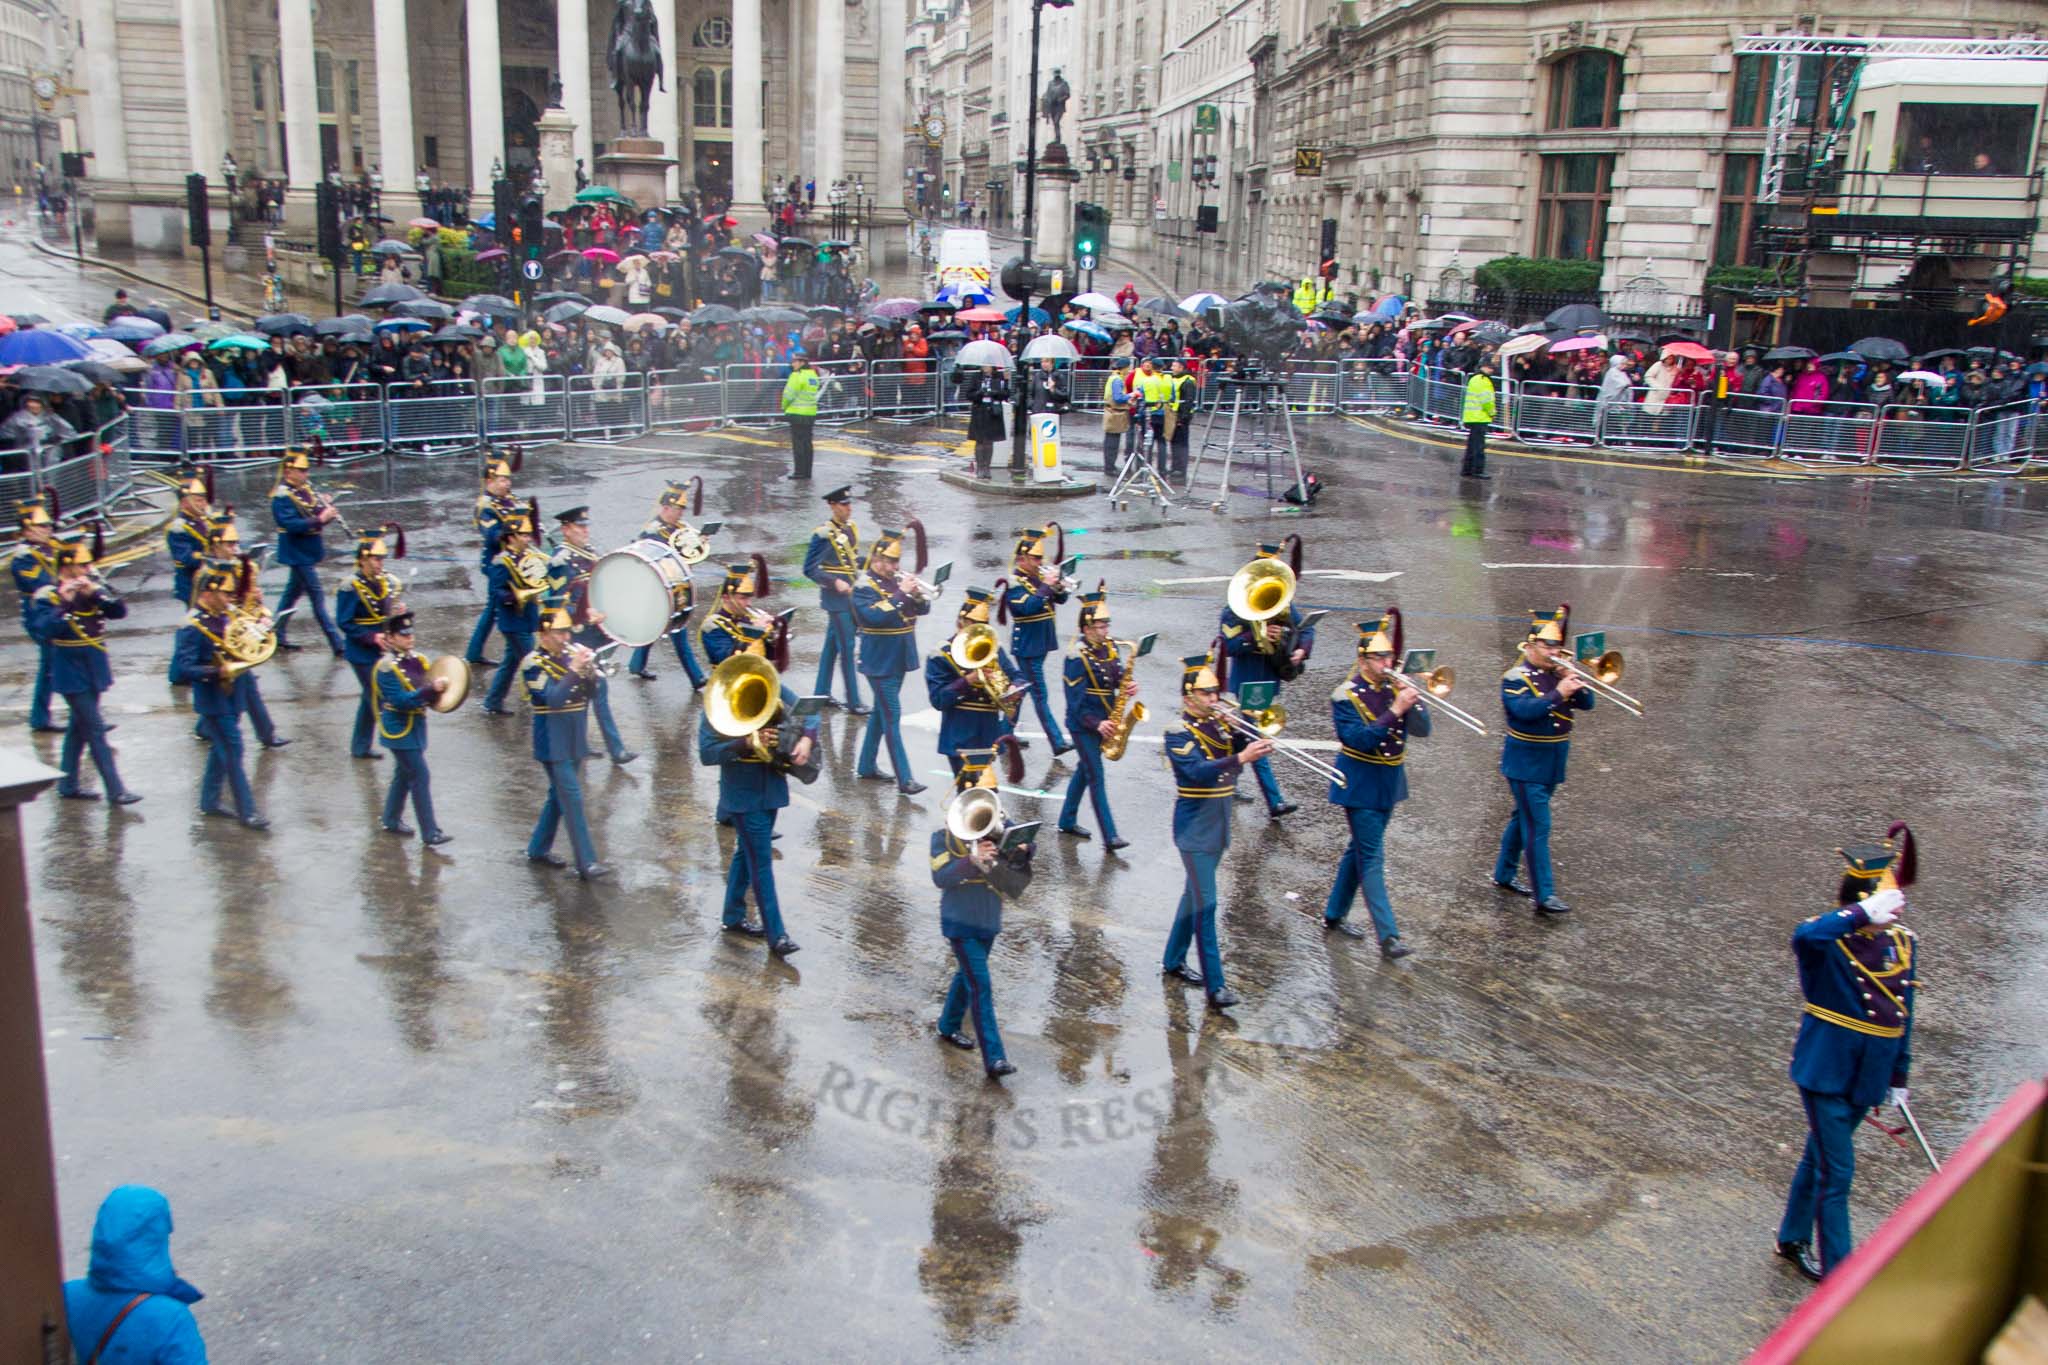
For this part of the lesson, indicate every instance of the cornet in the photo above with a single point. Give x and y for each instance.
(918, 588)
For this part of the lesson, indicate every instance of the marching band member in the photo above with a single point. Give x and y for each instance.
(405, 694)
(219, 700)
(969, 717)
(1034, 628)
(973, 881)
(668, 515)
(301, 514)
(493, 505)
(1858, 971)
(559, 677)
(833, 562)
(734, 608)
(1093, 676)
(517, 620)
(34, 567)
(886, 612)
(227, 546)
(190, 537)
(1374, 713)
(1539, 695)
(70, 616)
(1207, 755)
(569, 571)
(362, 606)
(1252, 648)
(752, 786)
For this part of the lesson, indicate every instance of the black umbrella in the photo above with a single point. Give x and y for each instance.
(1527, 329)
(390, 246)
(432, 310)
(160, 316)
(1116, 324)
(946, 334)
(285, 325)
(1430, 325)
(555, 296)
(490, 303)
(1165, 306)
(1576, 317)
(1842, 358)
(38, 320)
(384, 295)
(1490, 333)
(341, 326)
(51, 379)
(1880, 348)
(672, 314)
(356, 339)
(826, 310)
(937, 306)
(738, 252)
(770, 316)
(712, 314)
(1937, 355)
(791, 243)
(96, 372)
(456, 331)
(1790, 353)
(567, 310)
(835, 244)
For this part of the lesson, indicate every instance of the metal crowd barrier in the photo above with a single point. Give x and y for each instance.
(88, 473)
(1840, 434)
(1312, 386)
(844, 397)
(1372, 386)
(606, 408)
(903, 390)
(1748, 427)
(753, 393)
(1552, 414)
(685, 399)
(525, 408)
(348, 418)
(1911, 437)
(2009, 433)
(1633, 425)
(432, 418)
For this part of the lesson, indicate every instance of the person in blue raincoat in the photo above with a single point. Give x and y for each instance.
(130, 1306)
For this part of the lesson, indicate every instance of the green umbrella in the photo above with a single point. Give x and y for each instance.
(602, 194)
(211, 331)
(239, 341)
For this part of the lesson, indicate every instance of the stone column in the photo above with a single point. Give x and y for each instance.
(106, 127)
(301, 109)
(205, 104)
(662, 123)
(572, 54)
(892, 25)
(396, 160)
(747, 123)
(831, 38)
(486, 101)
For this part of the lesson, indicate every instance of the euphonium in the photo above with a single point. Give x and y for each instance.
(1128, 713)
(249, 638)
(690, 544)
(530, 575)
(974, 815)
(976, 650)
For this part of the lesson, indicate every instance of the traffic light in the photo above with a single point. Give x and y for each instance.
(1091, 234)
(533, 226)
(198, 223)
(1329, 257)
(327, 214)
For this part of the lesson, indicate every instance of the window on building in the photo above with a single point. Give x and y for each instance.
(1585, 90)
(1571, 207)
(1732, 231)
(704, 98)
(323, 81)
(1965, 139)
(1750, 107)
(256, 83)
(430, 152)
(355, 98)
(725, 98)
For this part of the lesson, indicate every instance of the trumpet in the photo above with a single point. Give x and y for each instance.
(1435, 686)
(1267, 724)
(1601, 677)
(584, 659)
(918, 588)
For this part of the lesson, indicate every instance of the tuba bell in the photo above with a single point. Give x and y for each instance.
(1261, 590)
(976, 648)
(976, 814)
(743, 695)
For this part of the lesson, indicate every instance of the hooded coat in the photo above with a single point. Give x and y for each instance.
(131, 1254)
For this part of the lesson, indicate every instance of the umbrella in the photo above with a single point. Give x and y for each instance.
(1576, 317)
(558, 259)
(939, 305)
(765, 239)
(38, 320)
(826, 310)
(946, 334)
(1164, 306)
(52, 379)
(1057, 347)
(133, 328)
(384, 295)
(1117, 324)
(1937, 355)
(496, 253)
(6, 324)
(1690, 350)
(334, 327)
(672, 314)
(112, 353)
(982, 315)
(567, 310)
(390, 246)
(1880, 348)
(1457, 317)
(165, 344)
(1593, 343)
(403, 325)
(425, 224)
(362, 338)
(602, 194)
(455, 331)
(110, 375)
(601, 253)
(1490, 333)
(1431, 325)
(1038, 315)
(491, 303)
(1097, 302)
(1389, 307)
(487, 221)
(834, 244)
(2037, 368)
(36, 347)
(608, 315)
(285, 325)
(1087, 329)
(769, 315)
(211, 330)
(712, 314)
(1838, 358)
(240, 341)
(792, 244)
(432, 309)
(1790, 353)
(1526, 344)
(641, 322)
(976, 353)
(896, 308)
(1922, 376)
(738, 252)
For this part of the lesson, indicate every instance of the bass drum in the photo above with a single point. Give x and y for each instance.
(639, 588)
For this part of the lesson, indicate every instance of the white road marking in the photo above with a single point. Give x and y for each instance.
(1344, 575)
(1484, 565)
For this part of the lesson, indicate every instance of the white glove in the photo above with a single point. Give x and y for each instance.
(1898, 1097)
(1883, 907)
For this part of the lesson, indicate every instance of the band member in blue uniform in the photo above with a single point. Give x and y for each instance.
(734, 608)
(1207, 755)
(34, 567)
(1258, 652)
(301, 515)
(559, 677)
(493, 505)
(405, 696)
(1095, 676)
(668, 518)
(1033, 597)
(190, 536)
(1539, 695)
(569, 574)
(70, 616)
(517, 587)
(1374, 712)
(752, 787)
(1858, 971)
(219, 696)
(361, 607)
(973, 881)
(227, 547)
(885, 610)
(973, 712)
(833, 562)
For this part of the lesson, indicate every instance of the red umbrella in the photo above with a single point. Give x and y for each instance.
(981, 315)
(1688, 350)
(601, 253)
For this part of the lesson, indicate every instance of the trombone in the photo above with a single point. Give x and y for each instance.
(1435, 687)
(1601, 677)
(1267, 724)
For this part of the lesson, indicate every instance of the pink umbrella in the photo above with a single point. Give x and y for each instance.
(1579, 344)
(425, 224)
(7, 324)
(601, 253)
(764, 239)
(496, 253)
(980, 315)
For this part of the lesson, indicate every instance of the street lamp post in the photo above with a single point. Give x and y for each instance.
(1020, 419)
(228, 173)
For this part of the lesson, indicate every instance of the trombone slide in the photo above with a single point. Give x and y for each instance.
(1237, 721)
(1443, 703)
(1607, 690)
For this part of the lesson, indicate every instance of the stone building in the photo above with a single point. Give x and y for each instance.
(29, 133)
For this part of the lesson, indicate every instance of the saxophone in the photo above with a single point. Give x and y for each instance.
(1127, 713)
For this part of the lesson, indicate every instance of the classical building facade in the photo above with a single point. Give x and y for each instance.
(758, 92)
(29, 131)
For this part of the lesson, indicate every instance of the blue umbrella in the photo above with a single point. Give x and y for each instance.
(39, 346)
(1389, 308)
(84, 331)
(403, 325)
(486, 221)
(1038, 315)
(1088, 329)
(132, 329)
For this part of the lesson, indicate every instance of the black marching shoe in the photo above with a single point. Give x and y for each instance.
(1114, 844)
(959, 1040)
(1184, 973)
(856, 709)
(910, 788)
(436, 839)
(1075, 832)
(274, 742)
(124, 798)
(645, 674)
(873, 777)
(783, 947)
(1283, 809)
(1344, 927)
(1002, 1069)
(1517, 886)
(1224, 999)
(400, 827)
(623, 757)
(593, 872)
(256, 821)
(1800, 1254)
(1393, 950)
(550, 859)
(374, 755)
(1062, 749)
(77, 795)
(1551, 905)
(289, 645)
(749, 928)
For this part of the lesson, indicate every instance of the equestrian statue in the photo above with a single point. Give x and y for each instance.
(633, 56)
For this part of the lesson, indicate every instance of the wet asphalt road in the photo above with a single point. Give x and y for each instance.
(415, 1105)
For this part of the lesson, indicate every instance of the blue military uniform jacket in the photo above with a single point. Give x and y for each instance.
(718, 638)
(33, 567)
(187, 541)
(1092, 677)
(971, 901)
(361, 606)
(403, 700)
(1205, 769)
(512, 619)
(747, 781)
(1539, 737)
(569, 570)
(196, 649)
(295, 510)
(834, 554)
(1856, 1037)
(560, 697)
(490, 516)
(886, 618)
(77, 636)
(1248, 662)
(1034, 627)
(967, 718)
(1372, 744)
